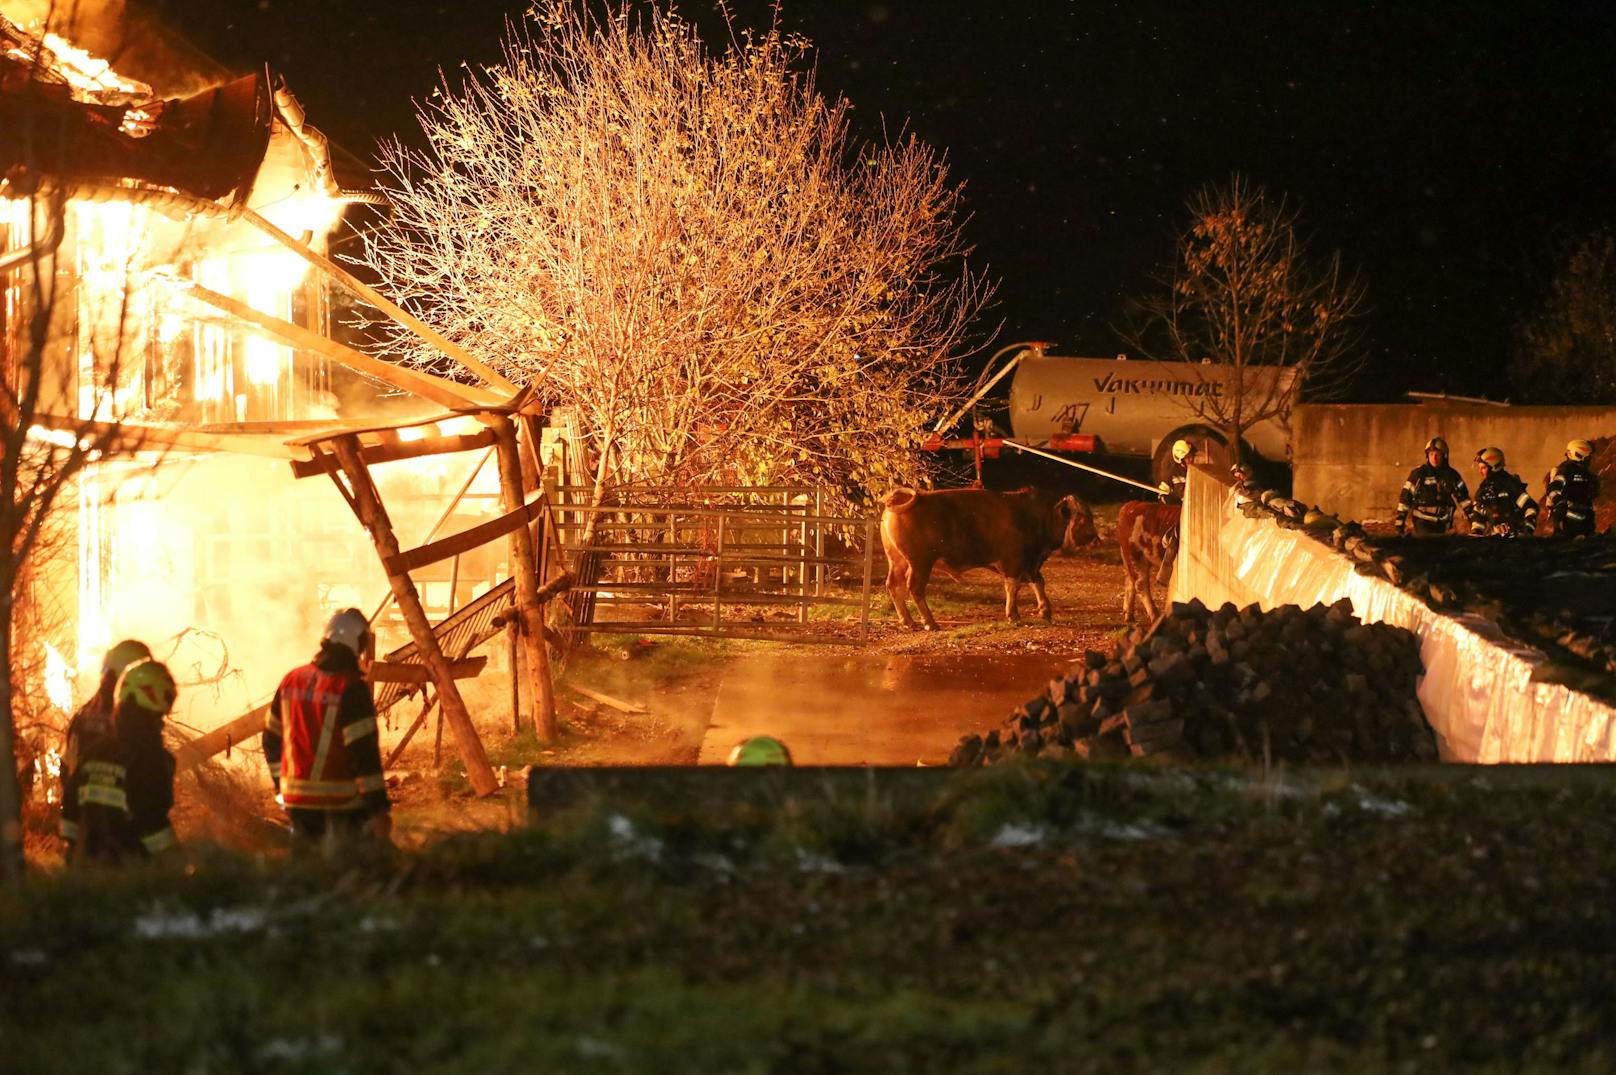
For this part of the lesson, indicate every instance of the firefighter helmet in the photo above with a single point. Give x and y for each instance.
(1579, 450)
(149, 685)
(349, 628)
(1491, 458)
(1182, 449)
(1437, 444)
(760, 750)
(129, 651)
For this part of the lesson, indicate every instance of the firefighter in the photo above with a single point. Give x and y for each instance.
(320, 740)
(1172, 488)
(1431, 493)
(1572, 489)
(760, 750)
(123, 785)
(92, 721)
(1503, 507)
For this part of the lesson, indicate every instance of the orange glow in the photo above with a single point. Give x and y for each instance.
(88, 73)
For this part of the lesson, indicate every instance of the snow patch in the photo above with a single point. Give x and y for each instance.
(628, 842)
(162, 924)
(1013, 834)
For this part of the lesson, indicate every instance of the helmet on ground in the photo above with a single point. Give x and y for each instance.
(1437, 444)
(349, 628)
(1182, 449)
(120, 657)
(1491, 458)
(1579, 450)
(149, 685)
(760, 750)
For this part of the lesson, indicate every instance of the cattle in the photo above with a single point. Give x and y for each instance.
(1012, 533)
(1147, 536)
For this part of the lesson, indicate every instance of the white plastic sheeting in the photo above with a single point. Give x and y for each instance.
(1477, 690)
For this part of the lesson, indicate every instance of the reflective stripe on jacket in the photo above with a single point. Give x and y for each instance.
(317, 771)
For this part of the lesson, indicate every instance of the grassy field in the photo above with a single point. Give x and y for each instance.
(1034, 917)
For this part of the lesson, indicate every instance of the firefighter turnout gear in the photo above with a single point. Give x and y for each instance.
(349, 628)
(122, 788)
(1503, 507)
(1182, 450)
(320, 742)
(1572, 489)
(93, 720)
(1579, 450)
(1431, 493)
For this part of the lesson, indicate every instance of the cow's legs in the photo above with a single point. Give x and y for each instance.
(1012, 597)
(1046, 611)
(1145, 595)
(899, 572)
(919, 576)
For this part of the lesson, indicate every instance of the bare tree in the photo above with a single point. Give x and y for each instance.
(687, 245)
(1246, 305)
(1565, 350)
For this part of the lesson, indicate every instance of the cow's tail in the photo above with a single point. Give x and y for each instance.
(899, 500)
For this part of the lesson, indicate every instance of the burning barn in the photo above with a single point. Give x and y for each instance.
(173, 223)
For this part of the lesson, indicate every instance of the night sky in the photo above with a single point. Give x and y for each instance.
(1446, 150)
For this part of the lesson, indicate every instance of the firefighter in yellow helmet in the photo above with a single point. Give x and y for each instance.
(1503, 507)
(321, 743)
(1572, 489)
(93, 721)
(1431, 493)
(123, 786)
(1172, 487)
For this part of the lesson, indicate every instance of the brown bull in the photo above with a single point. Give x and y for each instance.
(1147, 535)
(1012, 533)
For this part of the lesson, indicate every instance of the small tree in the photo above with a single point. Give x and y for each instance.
(686, 246)
(1565, 351)
(1246, 306)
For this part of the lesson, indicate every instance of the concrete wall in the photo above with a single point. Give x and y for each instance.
(1352, 459)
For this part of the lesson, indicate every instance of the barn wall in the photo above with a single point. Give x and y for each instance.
(1352, 459)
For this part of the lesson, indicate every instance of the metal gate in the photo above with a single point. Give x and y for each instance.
(732, 562)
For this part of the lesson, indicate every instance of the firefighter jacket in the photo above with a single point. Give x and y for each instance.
(320, 738)
(121, 791)
(1573, 488)
(1502, 506)
(1172, 489)
(1430, 494)
(93, 721)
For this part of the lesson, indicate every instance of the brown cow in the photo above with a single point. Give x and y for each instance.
(1013, 533)
(1147, 535)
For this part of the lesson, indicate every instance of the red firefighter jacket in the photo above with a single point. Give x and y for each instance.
(320, 739)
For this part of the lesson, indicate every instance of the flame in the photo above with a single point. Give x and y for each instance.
(58, 679)
(88, 73)
(51, 763)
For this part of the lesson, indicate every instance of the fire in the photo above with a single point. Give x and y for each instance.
(58, 679)
(88, 73)
(51, 764)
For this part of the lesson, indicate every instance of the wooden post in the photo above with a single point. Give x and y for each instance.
(524, 569)
(367, 504)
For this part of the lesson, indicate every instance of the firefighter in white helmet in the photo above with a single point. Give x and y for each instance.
(123, 786)
(1503, 507)
(1431, 493)
(320, 739)
(1572, 489)
(1172, 487)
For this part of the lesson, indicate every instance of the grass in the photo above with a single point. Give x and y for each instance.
(1024, 918)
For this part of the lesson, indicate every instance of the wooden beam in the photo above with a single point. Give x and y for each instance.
(525, 572)
(605, 699)
(440, 390)
(325, 463)
(392, 310)
(238, 731)
(406, 672)
(409, 733)
(465, 541)
(373, 515)
(135, 437)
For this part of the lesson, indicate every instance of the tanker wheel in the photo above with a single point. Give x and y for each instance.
(1211, 447)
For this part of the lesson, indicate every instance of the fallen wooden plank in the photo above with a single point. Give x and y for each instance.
(606, 699)
(463, 542)
(402, 672)
(203, 747)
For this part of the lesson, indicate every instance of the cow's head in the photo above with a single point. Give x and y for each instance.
(1074, 522)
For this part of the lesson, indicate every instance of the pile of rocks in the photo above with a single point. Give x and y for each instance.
(1311, 686)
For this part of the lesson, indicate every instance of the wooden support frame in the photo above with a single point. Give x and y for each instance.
(326, 463)
(525, 572)
(465, 541)
(366, 502)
